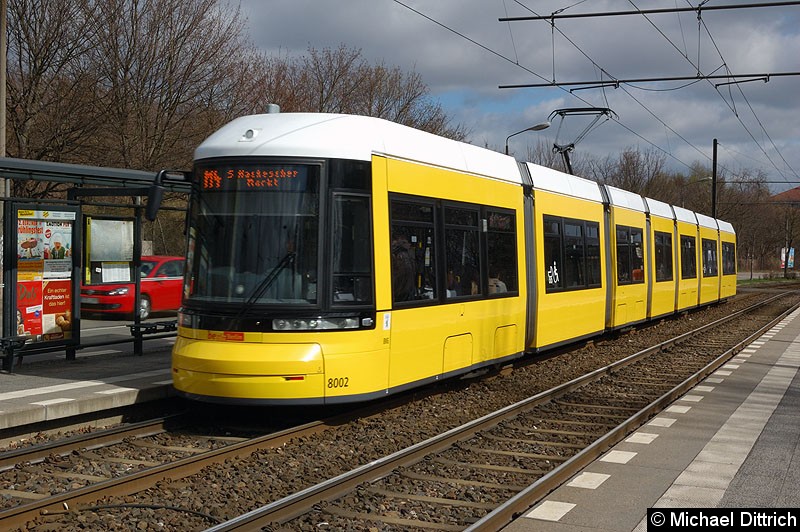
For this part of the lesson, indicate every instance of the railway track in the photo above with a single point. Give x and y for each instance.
(480, 463)
(481, 475)
(83, 469)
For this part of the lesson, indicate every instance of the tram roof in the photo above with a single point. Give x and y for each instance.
(659, 208)
(706, 221)
(684, 215)
(351, 137)
(623, 198)
(726, 227)
(554, 181)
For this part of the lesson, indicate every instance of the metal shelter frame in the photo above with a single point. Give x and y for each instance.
(87, 181)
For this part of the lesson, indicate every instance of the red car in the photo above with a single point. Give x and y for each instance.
(161, 286)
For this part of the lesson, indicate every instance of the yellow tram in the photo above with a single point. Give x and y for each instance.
(339, 258)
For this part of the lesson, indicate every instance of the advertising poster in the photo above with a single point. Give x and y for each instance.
(29, 308)
(783, 258)
(57, 250)
(57, 310)
(30, 250)
(44, 274)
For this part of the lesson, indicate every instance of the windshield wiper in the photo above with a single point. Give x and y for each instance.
(264, 285)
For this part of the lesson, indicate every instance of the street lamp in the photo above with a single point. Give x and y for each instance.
(690, 183)
(537, 127)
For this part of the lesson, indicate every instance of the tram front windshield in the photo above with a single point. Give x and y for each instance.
(254, 234)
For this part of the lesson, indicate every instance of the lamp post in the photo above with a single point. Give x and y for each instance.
(537, 127)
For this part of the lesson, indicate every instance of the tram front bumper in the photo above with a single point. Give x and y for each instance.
(248, 371)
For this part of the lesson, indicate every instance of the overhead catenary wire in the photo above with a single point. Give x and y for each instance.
(692, 79)
(649, 111)
(550, 83)
(702, 7)
(534, 73)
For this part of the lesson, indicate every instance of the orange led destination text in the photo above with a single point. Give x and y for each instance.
(247, 178)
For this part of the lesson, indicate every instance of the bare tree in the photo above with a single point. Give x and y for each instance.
(51, 113)
(340, 80)
(160, 62)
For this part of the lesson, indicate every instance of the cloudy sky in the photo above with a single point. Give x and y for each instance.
(466, 56)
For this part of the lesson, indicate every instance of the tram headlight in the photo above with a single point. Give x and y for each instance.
(315, 324)
(186, 320)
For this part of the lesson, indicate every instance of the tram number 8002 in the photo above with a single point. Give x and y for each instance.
(341, 382)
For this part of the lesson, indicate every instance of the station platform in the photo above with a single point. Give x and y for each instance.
(733, 441)
(46, 387)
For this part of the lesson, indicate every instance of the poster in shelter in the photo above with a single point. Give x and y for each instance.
(44, 274)
(56, 309)
(29, 308)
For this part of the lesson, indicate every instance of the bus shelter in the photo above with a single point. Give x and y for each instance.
(64, 225)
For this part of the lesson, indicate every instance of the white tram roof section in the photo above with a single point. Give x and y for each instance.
(684, 215)
(623, 198)
(659, 208)
(726, 227)
(351, 137)
(554, 181)
(706, 221)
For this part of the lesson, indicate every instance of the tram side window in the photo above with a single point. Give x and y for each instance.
(728, 258)
(663, 243)
(462, 252)
(574, 255)
(571, 254)
(709, 258)
(553, 260)
(593, 255)
(413, 251)
(501, 240)
(630, 255)
(352, 250)
(688, 257)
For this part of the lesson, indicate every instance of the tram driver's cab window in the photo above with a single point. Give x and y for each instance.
(352, 250)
